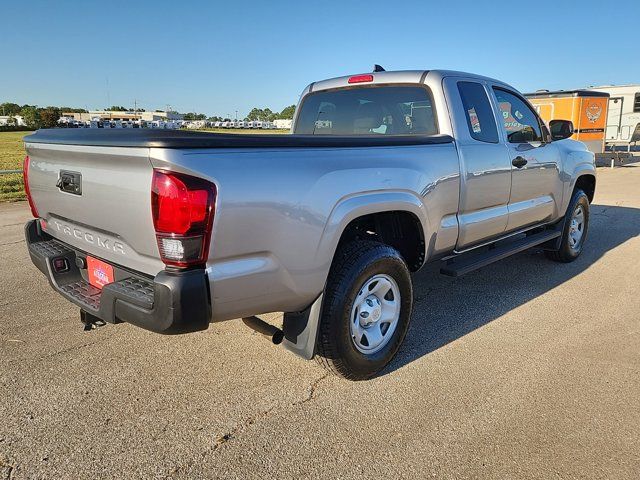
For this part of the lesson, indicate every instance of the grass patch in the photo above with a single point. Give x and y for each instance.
(11, 158)
(11, 187)
(11, 150)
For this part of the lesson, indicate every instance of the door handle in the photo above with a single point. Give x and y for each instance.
(519, 162)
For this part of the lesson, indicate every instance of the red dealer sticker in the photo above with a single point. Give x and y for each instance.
(100, 273)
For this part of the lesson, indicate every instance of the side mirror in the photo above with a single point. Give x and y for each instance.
(561, 129)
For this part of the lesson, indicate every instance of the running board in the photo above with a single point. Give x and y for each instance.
(465, 263)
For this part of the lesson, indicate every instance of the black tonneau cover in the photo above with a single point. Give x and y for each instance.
(147, 137)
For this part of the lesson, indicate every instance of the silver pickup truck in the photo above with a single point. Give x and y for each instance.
(383, 172)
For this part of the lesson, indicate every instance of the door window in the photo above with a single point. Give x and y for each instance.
(520, 121)
(480, 119)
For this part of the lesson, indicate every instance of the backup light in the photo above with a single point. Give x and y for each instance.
(183, 208)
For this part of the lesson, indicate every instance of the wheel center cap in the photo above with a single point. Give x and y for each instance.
(370, 311)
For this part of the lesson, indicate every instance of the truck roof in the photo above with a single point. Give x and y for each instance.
(396, 76)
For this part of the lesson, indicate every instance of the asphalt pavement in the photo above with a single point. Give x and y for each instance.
(524, 369)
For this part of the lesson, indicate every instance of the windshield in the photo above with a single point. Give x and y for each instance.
(381, 110)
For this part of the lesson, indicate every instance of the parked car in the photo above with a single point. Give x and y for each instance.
(384, 173)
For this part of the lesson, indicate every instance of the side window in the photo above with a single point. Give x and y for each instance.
(636, 103)
(520, 122)
(480, 119)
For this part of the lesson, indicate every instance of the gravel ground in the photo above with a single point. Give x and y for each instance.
(524, 369)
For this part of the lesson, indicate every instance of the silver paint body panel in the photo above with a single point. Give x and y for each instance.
(281, 211)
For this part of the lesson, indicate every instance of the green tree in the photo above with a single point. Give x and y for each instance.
(255, 114)
(31, 116)
(116, 108)
(73, 110)
(266, 115)
(49, 117)
(9, 108)
(194, 116)
(287, 113)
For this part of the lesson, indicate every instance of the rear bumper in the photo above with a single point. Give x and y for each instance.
(170, 303)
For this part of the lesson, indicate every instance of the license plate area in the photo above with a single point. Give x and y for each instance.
(100, 273)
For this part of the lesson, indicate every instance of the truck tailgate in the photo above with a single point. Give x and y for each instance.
(109, 216)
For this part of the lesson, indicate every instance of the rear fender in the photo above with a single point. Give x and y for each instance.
(355, 206)
(581, 168)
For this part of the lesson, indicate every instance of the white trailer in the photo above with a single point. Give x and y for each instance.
(283, 124)
(623, 117)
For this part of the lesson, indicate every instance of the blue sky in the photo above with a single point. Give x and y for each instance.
(218, 57)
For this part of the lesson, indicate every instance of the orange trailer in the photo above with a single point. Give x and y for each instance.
(586, 109)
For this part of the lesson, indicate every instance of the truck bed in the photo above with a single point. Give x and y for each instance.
(150, 138)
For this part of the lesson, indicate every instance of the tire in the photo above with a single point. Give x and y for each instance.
(345, 347)
(570, 249)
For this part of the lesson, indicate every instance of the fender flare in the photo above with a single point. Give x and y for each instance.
(581, 169)
(365, 203)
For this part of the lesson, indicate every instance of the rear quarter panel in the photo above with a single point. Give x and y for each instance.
(280, 213)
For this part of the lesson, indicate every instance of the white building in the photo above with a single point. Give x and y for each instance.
(123, 116)
(16, 120)
(284, 124)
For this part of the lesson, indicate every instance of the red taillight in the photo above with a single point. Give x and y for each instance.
(27, 190)
(183, 208)
(361, 78)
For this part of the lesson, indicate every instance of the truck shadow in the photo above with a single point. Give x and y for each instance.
(446, 309)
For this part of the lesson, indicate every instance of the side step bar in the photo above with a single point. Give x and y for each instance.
(465, 263)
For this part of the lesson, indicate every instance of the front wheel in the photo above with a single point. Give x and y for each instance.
(366, 310)
(574, 234)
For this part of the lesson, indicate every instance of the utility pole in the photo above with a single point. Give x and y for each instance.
(236, 115)
(108, 94)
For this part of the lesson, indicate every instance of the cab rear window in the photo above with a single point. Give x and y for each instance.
(380, 110)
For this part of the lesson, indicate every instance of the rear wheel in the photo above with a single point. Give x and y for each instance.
(574, 234)
(366, 310)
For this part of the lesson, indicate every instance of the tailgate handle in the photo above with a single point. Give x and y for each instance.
(70, 182)
(519, 162)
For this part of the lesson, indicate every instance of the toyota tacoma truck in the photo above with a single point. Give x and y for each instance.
(383, 172)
